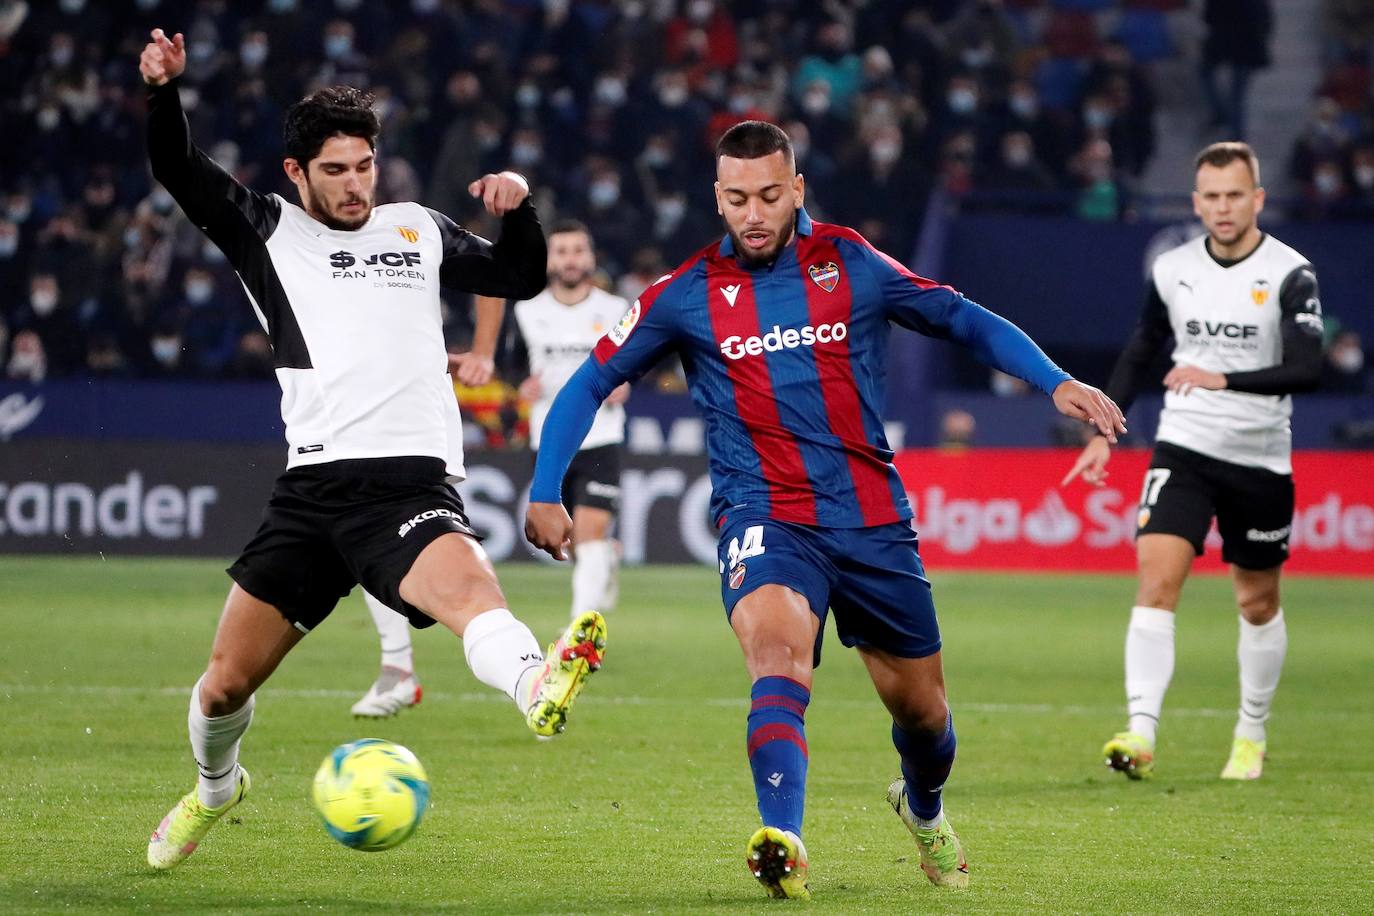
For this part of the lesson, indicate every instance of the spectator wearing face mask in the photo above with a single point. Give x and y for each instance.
(168, 352)
(27, 362)
(50, 320)
(831, 63)
(1018, 178)
(209, 323)
(888, 185)
(343, 62)
(1361, 181)
(1050, 131)
(614, 222)
(964, 110)
(1323, 138)
(675, 109)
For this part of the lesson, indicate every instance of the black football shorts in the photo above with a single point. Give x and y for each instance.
(1253, 507)
(329, 527)
(593, 479)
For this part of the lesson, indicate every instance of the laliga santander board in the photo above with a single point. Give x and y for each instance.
(1004, 509)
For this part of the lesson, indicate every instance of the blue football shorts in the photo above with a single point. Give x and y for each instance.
(872, 578)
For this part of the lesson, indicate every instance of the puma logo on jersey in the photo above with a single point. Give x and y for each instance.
(1185, 286)
(730, 292)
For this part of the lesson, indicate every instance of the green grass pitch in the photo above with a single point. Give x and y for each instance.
(645, 804)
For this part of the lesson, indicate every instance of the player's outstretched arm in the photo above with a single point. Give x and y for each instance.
(228, 212)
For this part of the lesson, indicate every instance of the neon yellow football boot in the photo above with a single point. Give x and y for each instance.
(186, 825)
(570, 661)
(777, 859)
(1247, 760)
(1130, 753)
(942, 855)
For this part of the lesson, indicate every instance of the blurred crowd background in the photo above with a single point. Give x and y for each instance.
(1021, 106)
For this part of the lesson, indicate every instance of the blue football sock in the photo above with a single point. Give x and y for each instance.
(927, 758)
(777, 750)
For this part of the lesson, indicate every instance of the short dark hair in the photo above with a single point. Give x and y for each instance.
(562, 226)
(754, 140)
(1220, 155)
(324, 113)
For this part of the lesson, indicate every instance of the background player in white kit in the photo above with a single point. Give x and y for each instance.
(397, 685)
(348, 293)
(560, 326)
(1245, 316)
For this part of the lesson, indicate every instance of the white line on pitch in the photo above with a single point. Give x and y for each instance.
(1034, 709)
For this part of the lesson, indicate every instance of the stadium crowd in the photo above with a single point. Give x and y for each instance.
(609, 107)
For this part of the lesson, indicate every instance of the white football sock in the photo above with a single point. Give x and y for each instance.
(1149, 667)
(501, 651)
(215, 745)
(1260, 650)
(394, 631)
(591, 574)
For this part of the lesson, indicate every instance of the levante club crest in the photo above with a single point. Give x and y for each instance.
(826, 276)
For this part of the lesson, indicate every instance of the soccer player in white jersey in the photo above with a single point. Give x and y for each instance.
(349, 295)
(560, 326)
(1244, 314)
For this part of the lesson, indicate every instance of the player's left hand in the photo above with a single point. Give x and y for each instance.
(1183, 379)
(1083, 402)
(620, 394)
(549, 527)
(470, 369)
(501, 193)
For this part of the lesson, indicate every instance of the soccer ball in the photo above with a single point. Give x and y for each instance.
(371, 794)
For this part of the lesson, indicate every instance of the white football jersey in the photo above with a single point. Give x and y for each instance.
(559, 339)
(366, 305)
(1227, 319)
(353, 316)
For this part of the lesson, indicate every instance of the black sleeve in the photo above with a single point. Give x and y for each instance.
(514, 266)
(235, 218)
(1132, 369)
(1301, 327)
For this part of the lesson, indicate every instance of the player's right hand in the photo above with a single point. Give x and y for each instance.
(1091, 464)
(549, 527)
(162, 60)
(531, 388)
(1083, 402)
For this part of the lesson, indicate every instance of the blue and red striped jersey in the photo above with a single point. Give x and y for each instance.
(787, 364)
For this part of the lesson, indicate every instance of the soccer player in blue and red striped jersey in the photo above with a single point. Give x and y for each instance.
(782, 327)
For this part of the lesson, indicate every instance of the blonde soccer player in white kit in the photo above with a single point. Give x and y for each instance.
(1244, 314)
